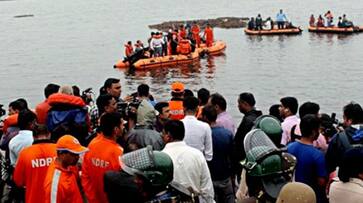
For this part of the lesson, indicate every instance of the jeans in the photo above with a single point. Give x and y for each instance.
(223, 191)
(280, 25)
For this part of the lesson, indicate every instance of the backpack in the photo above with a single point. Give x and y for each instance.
(357, 139)
(71, 121)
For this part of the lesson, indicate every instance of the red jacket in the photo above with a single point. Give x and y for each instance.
(103, 155)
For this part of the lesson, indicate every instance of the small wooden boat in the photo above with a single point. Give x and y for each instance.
(334, 29)
(289, 31)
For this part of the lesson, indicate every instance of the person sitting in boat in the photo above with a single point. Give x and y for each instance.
(269, 24)
(156, 45)
(258, 22)
(320, 22)
(346, 23)
(329, 18)
(184, 47)
(139, 46)
(340, 22)
(289, 25)
(281, 19)
(251, 24)
(129, 50)
(208, 34)
(312, 20)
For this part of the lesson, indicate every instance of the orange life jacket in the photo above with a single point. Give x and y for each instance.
(195, 30)
(10, 121)
(176, 110)
(184, 47)
(60, 98)
(128, 50)
(182, 33)
(209, 38)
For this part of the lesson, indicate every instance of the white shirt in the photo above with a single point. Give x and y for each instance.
(350, 192)
(198, 135)
(191, 169)
(23, 139)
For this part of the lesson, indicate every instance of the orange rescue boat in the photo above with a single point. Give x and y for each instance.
(217, 48)
(334, 29)
(289, 31)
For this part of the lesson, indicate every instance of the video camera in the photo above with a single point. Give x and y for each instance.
(129, 109)
(87, 95)
(330, 124)
(2, 110)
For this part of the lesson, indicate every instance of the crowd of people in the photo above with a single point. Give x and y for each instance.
(343, 22)
(183, 149)
(183, 40)
(259, 24)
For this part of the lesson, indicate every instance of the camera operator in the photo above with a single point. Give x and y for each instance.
(143, 132)
(351, 137)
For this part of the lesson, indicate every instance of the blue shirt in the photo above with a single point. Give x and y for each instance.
(281, 17)
(220, 165)
(310, 166)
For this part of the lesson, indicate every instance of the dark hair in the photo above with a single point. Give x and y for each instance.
(188, 93)
(177, 94)
(175, 128)
(51, 89)
(23, 103)
(108, 84)
(308, 108)
(108, 122)
(290, 103)
(160, 105)
(327, 124)
(351, 165)
(190, 103)
(217, 99)
(274, 111)
(102, 101)
(143, 90)
(76, 91)
(40, 129)
(25, 117)
(203, 96)
(210, 113)
(248, 98)
(354, 112)
(308, 124)
(15, 105)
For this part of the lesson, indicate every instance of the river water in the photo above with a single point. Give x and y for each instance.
(77, 42)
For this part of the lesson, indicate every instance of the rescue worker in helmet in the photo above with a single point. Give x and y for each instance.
(144, 173)
(266, 168)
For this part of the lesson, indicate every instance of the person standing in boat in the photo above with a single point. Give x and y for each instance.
(258, 22)
(281, 19)
(156, 44)
(329, 18)
(195, 33)
(251, 24)
(312, 20)
(208, 34)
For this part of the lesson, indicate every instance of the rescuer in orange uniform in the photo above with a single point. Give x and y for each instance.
(60, 184)
(208, 34)
(33, 163)
(182, 32)
(104, 155)
(176, 102)
(195, 31)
